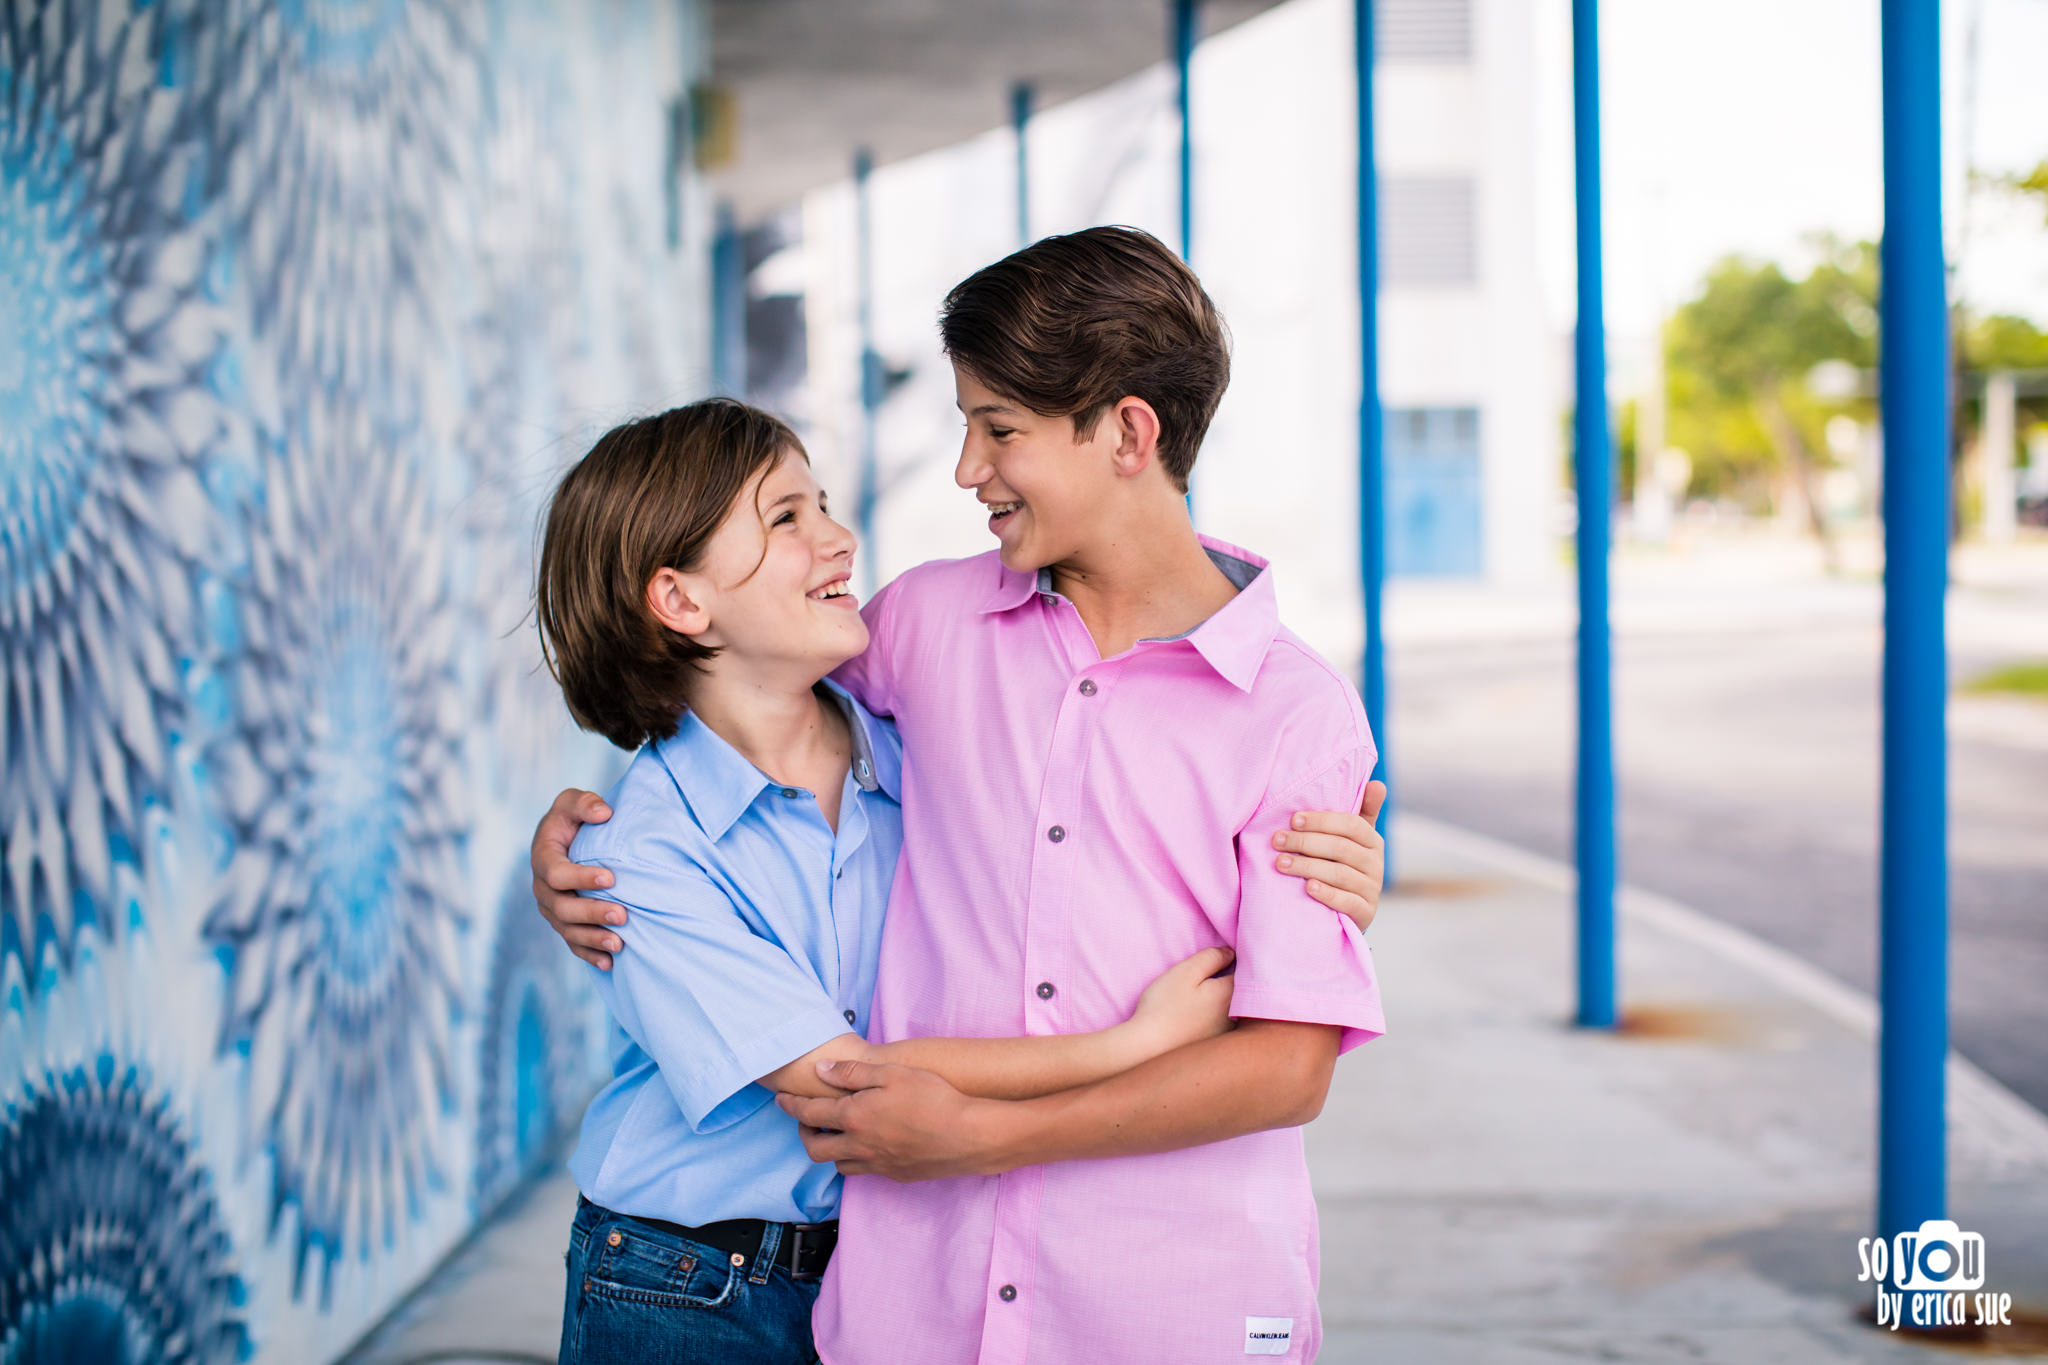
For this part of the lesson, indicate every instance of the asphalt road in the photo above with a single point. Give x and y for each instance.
(1748, 788)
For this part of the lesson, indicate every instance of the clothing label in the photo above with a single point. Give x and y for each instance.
(1268, 1336)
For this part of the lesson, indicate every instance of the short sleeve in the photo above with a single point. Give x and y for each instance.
(716, 1005)
(1297, 959)
(871, 675)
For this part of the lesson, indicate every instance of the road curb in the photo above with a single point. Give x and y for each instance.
(2006, 1130)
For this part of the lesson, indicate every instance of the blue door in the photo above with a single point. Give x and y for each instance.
(1432, 463)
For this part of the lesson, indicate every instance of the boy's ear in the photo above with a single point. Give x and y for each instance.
(669, 598)
(1137, 427)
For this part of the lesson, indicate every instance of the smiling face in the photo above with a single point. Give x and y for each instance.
(1049, 489)
(773, 591)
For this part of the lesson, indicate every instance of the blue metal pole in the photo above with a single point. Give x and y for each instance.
(870, 369)
(1021, 97)
(1914, 379)
(728, 309)
(1185, 27)
(1372, 518)
(1593, 465)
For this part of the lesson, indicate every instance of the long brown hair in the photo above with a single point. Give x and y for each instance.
(650, 495)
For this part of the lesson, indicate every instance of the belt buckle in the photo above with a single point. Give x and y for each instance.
(796, 1261)
(795, 1243)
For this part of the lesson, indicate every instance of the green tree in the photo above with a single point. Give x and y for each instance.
(1737, 360)
(2004, 342)
(1999, 342)
(2035, 182)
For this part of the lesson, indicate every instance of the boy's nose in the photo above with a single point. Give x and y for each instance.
(972, 471)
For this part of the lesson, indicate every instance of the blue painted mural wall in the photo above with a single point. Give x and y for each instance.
(302, 305)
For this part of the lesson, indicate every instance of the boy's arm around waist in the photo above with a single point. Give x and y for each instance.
(1305, 992)
(1187, 1003)
(910, 1125)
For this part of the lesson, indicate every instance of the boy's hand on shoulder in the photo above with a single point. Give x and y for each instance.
(557, 879)
(1340, 855)
(895, 1121)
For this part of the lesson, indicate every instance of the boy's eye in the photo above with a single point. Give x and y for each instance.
(1001, 432)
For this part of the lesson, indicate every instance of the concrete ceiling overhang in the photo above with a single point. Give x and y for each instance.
(809, 81)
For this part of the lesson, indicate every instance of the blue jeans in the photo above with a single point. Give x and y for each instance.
(638, 1293)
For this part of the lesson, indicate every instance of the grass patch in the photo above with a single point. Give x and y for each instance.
(2030, 680)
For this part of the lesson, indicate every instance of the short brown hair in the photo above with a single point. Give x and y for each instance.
(1072, 324)
(648, 496)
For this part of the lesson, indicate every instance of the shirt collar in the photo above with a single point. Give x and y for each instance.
(1234, 641)
(877, 757)
(1013, 587)
(718, 783)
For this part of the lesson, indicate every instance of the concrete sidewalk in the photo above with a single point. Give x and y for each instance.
(1498, 1187)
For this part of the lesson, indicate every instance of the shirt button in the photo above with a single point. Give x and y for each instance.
(1046, 598)
(1007, 1292)
(860, 770)
(1045, 991)
(849, 1016)
(1056, 833)
(789, 791)
(1087, 687)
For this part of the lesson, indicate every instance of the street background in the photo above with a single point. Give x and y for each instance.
(1747, 732)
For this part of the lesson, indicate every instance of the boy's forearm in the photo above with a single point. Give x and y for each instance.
(987, 1068)
(1264, 1074)
(1019, 1068)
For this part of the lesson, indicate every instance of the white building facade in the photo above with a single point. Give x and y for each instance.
(1471, 379)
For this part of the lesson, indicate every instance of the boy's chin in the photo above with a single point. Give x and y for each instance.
(1020, 558)
(851, 645)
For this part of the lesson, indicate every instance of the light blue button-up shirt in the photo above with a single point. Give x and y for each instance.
(752, 939)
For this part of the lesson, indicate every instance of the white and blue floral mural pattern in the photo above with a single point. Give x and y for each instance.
(303, 303)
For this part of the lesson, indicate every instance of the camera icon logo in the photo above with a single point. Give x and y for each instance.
(1938, 1257)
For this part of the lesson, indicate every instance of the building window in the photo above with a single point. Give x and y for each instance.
(1423, 30)
(1427, 234)
(1433, 495)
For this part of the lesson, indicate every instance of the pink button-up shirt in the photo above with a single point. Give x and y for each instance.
(1073, 826)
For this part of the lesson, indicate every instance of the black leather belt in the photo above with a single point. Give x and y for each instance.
(804, 1251)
